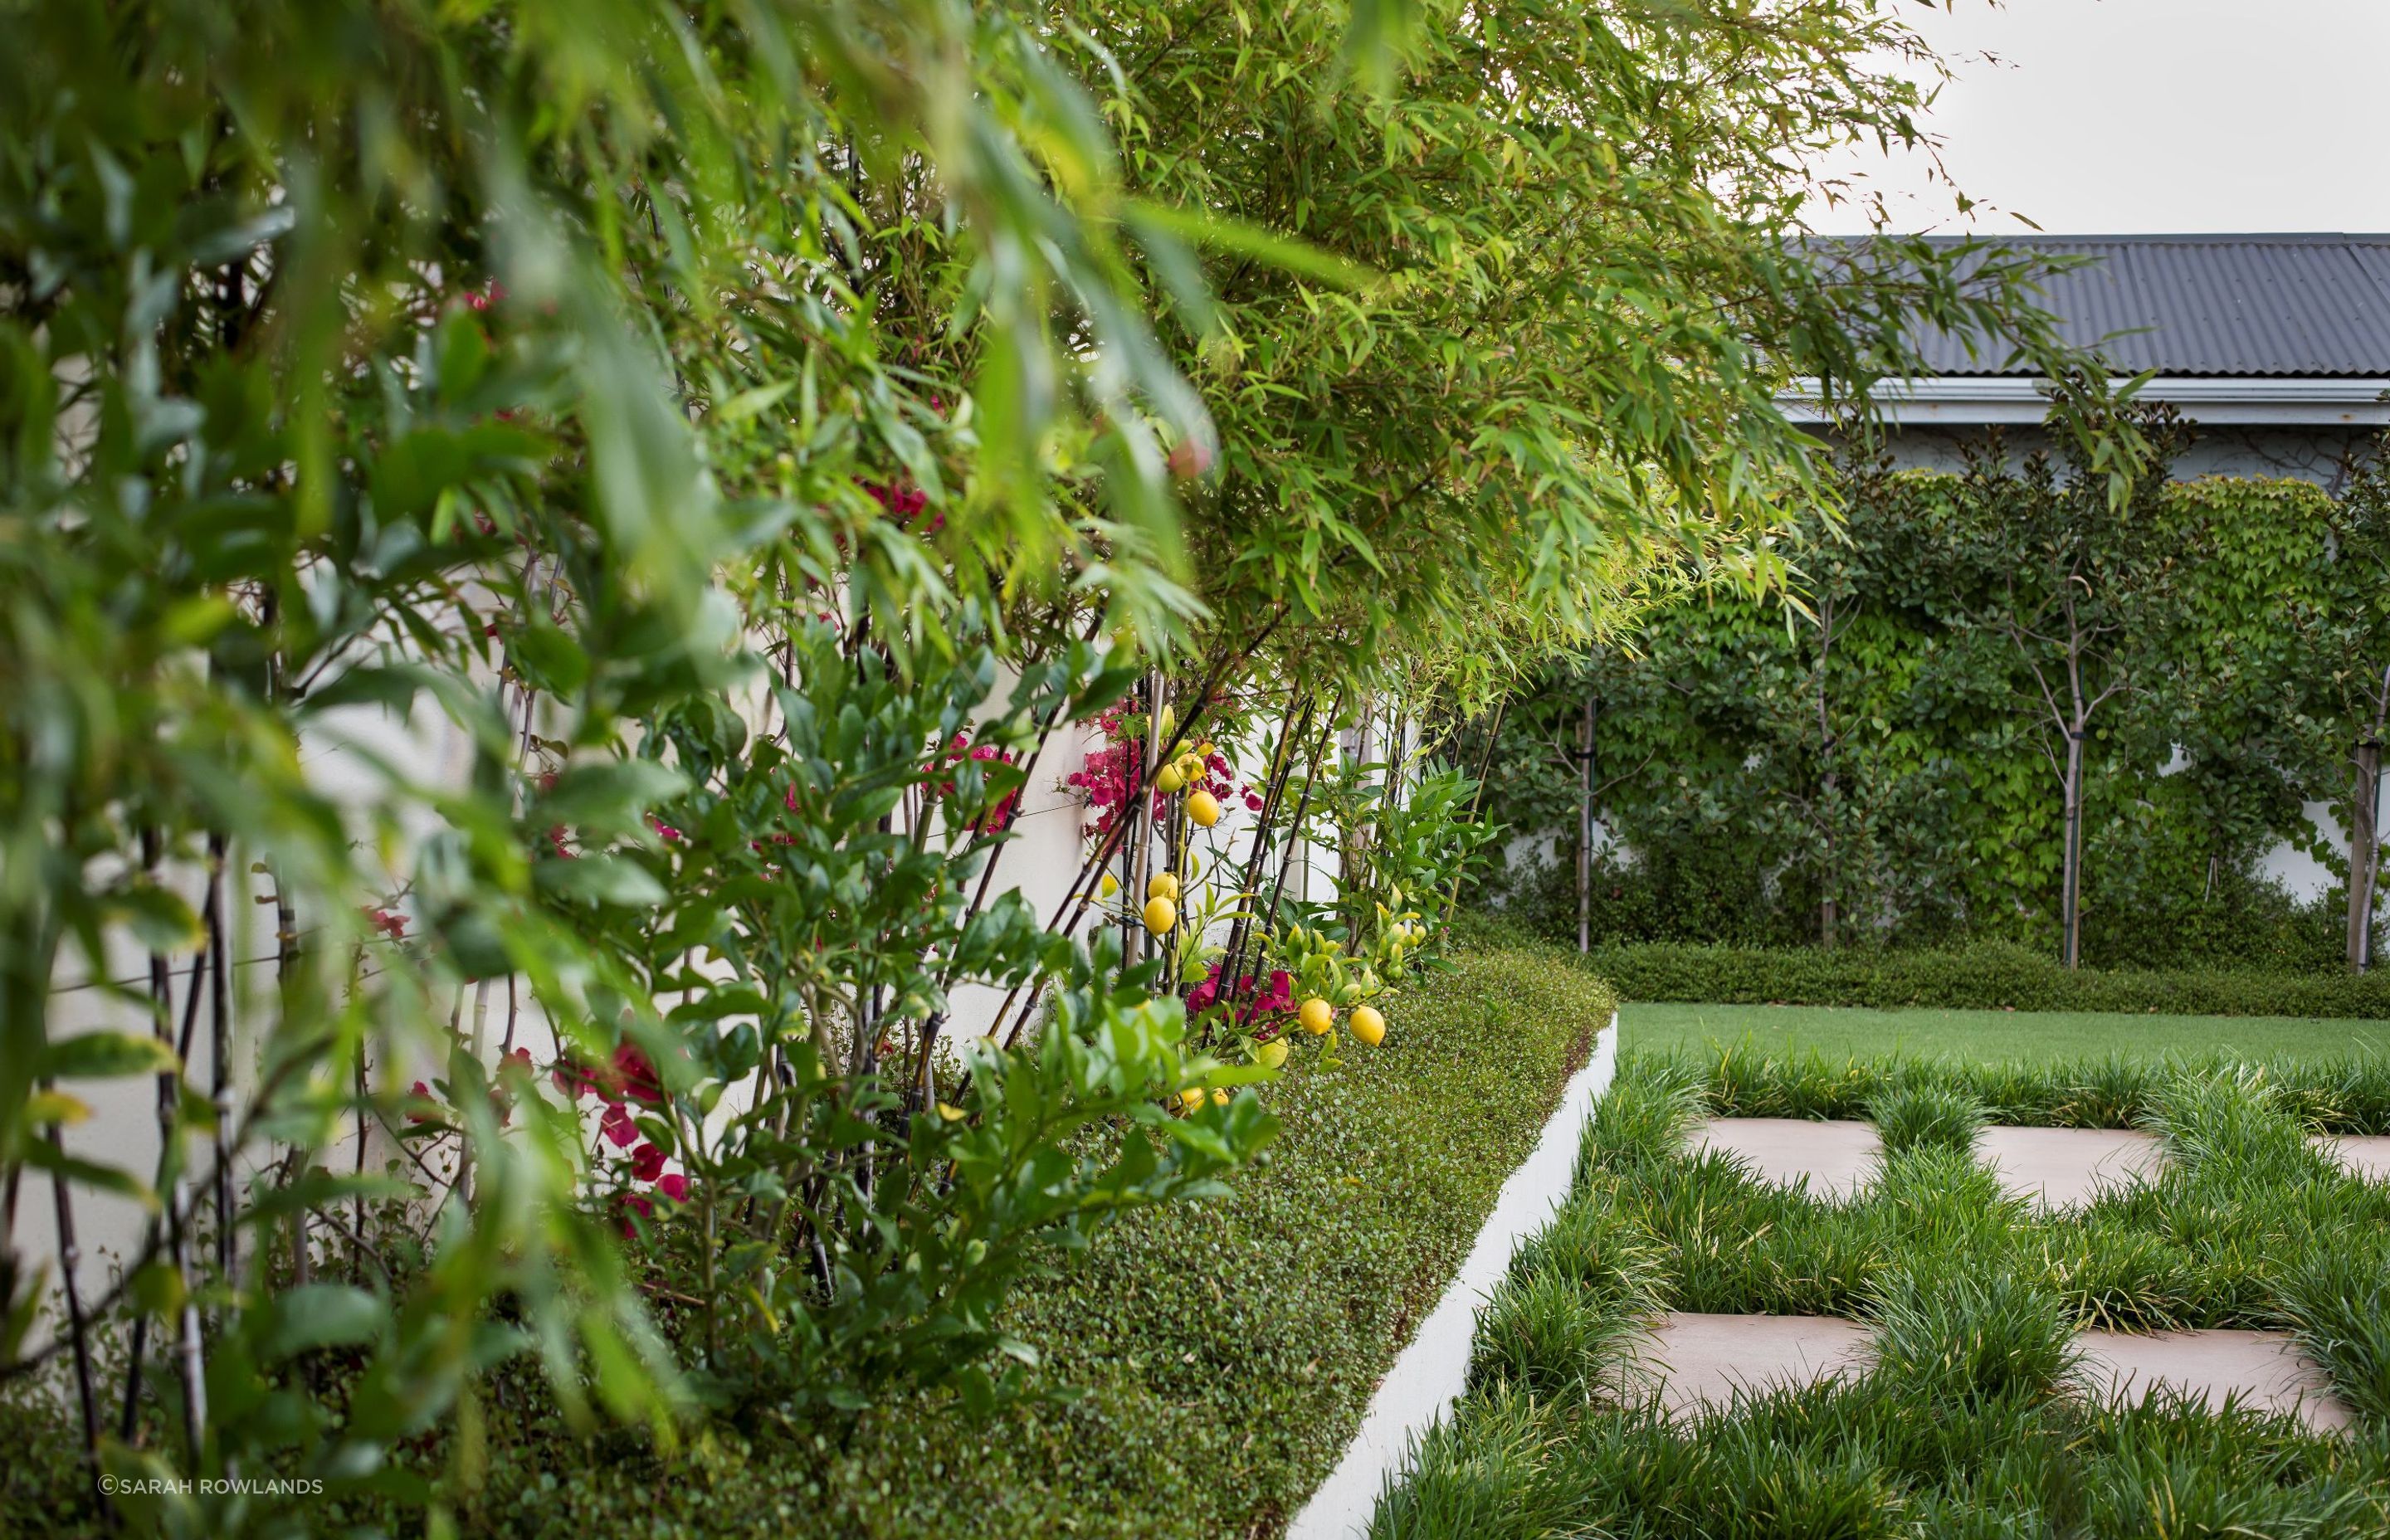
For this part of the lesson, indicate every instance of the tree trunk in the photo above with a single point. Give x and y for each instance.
(1585, 831)
(2364, 850)
(1826, 908)
(2070, 898)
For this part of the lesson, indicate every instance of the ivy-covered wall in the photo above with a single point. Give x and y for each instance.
(1890, 743)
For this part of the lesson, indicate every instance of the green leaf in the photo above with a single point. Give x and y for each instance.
(312, 1315)
(105, 1055)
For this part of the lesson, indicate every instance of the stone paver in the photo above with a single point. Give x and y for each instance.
(1836, 1159)
(2365, 1156)
(1702, 1360)
(2065, 1168)
(2265, 1367)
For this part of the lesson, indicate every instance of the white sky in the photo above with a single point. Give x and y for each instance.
(2133, 116)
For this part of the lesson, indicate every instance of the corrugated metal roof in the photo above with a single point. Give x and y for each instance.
(2235, 304)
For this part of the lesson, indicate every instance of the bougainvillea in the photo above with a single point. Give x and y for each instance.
(1112, 775)
(997, 818)
(1264, 1012)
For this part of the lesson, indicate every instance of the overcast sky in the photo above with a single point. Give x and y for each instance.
(2132, 116)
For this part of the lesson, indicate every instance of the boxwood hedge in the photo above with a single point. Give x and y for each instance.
(1989, 976)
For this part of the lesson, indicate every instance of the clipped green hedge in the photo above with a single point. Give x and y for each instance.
(1989, 976)
(1218, 1355)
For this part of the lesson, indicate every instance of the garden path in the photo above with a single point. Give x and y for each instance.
(1702, 1360)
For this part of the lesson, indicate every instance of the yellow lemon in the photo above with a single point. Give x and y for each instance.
(1273, 1053)
(1162, 886)
(1191, 1097)
(1220, 1099)
(1368, 1025)
(1318, 1016)
(1169, 780)
(1161, 916)
(1205, 808)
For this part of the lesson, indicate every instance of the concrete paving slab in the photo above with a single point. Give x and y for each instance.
(1702, 1360)
(2265, 1367)
(2065, 1168)
(2365, 1156)
(1835, 1159)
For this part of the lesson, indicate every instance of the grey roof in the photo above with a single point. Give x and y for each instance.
(2231, 304)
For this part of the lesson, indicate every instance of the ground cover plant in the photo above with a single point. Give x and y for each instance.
(1244, 1335)
(1965, 1425)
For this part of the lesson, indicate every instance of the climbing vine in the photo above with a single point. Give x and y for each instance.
(1884, 754)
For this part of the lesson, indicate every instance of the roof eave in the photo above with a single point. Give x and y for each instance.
(1963, 400)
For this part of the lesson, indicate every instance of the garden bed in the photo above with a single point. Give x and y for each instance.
(1218, 1355)
(1974, 1406)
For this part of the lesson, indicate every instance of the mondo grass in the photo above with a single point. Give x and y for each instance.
(2338, 1095)
(1969, 1421)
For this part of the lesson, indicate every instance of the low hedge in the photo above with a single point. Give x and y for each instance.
(1989, 976)
(1211, 1360)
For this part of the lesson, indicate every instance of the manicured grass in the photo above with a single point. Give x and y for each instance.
(1987, 1036)
(1216, 1357)
(1966, 1426)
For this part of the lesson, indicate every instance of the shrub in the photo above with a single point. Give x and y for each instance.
(1989, 976)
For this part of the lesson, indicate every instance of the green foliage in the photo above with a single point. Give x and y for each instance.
(536, 381)
(531, 502)
(1892, 746)
(1537, 379)
(1991, 975)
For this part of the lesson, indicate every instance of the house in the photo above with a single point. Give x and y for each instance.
(2277, 347)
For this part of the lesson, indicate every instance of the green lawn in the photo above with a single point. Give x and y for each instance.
(1987, 1036)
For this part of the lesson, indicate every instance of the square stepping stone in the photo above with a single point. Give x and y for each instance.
(1702, 1361)
(2363, 1156)
(1835, 1159)
(2265, 1367)
(2065, 1168)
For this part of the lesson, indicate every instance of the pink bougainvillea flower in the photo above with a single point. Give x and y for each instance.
(627, 1204)
(425, 1092)
(647, 1161)
(1253, 1006)
(670, 833)
(617, 1125)
(637, 1076)
(997, 819)
(575, 1080)
(673, 1185)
